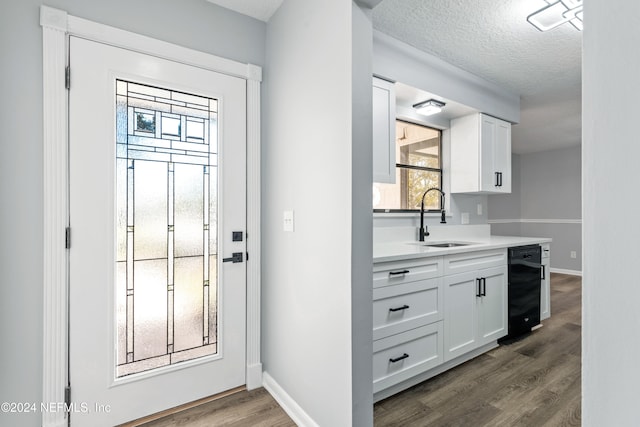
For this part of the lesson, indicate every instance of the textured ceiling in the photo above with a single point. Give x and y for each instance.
(489, 38)
(492, 39)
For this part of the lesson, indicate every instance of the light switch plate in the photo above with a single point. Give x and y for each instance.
(288, 222)
(479, 208)
(464, 218)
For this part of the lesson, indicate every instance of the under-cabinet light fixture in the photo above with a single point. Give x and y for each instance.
(556, 13)
(429, 107)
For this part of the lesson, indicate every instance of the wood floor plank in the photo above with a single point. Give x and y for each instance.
(405, 412)
(245, 408)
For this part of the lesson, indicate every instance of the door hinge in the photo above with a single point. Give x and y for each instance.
(67, 238)
(247, 256)
(67, 396)
(67, 77)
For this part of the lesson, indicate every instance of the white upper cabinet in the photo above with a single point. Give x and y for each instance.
(384, 131)
(480, 155)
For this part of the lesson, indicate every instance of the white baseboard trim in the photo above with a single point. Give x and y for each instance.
(290, 406)
(564, 271)
(254, 376)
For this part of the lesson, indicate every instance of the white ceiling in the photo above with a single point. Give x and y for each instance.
(493, 40)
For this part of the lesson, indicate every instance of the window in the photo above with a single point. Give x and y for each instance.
(167, 199)
(418, 168)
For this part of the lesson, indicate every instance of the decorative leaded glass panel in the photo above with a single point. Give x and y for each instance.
(166, 227)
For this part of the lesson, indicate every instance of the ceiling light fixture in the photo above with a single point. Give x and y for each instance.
(556, 13)
(429, 107)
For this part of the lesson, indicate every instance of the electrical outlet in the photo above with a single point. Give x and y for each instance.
(573, 254)
(288, 223)
(479, 208)
(464, 218)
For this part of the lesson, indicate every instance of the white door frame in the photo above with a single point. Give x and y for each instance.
(57, 26)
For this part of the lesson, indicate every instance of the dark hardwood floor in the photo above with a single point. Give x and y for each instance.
(532, 382)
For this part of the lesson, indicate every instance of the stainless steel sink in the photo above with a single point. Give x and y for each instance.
(447, 244)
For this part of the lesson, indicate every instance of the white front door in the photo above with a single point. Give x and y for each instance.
(157, 171)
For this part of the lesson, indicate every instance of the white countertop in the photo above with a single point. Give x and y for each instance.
(397, 251)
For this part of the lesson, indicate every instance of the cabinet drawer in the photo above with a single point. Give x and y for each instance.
(546, 250)
(402, 356)
(399, 272)
(472, 261)
(402, 307)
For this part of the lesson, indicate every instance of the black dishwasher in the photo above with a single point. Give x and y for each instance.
(524, 289)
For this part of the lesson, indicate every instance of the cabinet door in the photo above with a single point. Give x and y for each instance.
(465, 154)
(461, 294)
(545, 291)
(488, 177)
(480, 154)
(502, 155)
(492, 306)
(384, 131)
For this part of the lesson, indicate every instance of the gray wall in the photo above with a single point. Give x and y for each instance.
(307, 167)
(361, 221)
(192, 23)
(611, 289)
(551, 184)
(546, 201)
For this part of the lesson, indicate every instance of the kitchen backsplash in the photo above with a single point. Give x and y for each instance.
(437, 232)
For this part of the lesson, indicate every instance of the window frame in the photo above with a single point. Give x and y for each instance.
(420, 168)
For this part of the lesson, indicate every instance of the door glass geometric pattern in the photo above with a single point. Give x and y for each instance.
(166, 227)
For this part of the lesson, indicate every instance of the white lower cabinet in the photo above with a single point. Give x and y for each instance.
(475, 310)
(429, 311)
(493, 305)
(399, 272)
(407, 319)
(401, 356)
(406, 306)
(545, 290)
(461, 308)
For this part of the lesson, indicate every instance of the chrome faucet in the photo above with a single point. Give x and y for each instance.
(423, 228)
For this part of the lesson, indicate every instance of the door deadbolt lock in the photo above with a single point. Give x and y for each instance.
(235, 258)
